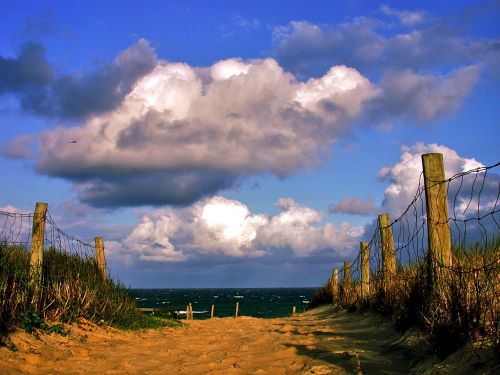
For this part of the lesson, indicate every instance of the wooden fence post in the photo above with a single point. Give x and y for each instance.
(237, 309)
(37, 239)
(388, 252)
(346, 280)
(212, 312)
(436, 199)
(365, 269)
(101, 259)
(294, 311)
(191, 317)
(334, 282)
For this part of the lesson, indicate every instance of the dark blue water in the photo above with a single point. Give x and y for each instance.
(256, 302)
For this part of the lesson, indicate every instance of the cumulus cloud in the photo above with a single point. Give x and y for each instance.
(298, 228)
(41, 91)
(220, 226)
(183, 133)
(471, 197)
(404, 177)
(353, 206)
(414, 81)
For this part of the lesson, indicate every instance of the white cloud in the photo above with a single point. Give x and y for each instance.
(11, 209)
(404, 176)
(406, 17)
(224, 227)
(472, 197)
(298, 228)
(150, 238)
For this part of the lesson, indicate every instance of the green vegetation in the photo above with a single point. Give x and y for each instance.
(463, 306)
(71, 289)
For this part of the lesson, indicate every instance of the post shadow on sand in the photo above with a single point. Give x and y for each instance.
(359, 343)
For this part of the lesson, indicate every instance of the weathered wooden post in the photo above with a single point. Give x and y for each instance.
(212, 311)
(187, 312)
(334, 283)
(101, 259)
(365, 269)
(346, 280)
(294, 311)
(388, 252)
(191, 317)
(237, 309)
(37, 239)
(436, 199)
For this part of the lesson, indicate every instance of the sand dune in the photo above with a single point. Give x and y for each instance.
(315, 342)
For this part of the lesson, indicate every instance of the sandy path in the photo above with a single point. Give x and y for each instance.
(311, 343)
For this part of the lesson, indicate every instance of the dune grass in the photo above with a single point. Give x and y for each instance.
(462, 306)
(71, 289)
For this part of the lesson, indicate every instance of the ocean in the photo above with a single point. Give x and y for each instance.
(256, 302)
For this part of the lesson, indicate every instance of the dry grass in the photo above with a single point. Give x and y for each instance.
(71, 288)
(462, 305)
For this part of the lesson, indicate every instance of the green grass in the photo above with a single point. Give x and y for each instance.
(71, 288)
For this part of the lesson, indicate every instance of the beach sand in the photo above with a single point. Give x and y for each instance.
(314, 342)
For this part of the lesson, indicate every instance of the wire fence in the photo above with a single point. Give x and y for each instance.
(16, 230)
(474, 220)
(456, 294)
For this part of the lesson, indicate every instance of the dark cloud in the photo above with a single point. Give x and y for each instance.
(154, 188)
(31, 78)
(415, 82)
(421, 98)
(373, 45)
(28, 71)
(307, 49)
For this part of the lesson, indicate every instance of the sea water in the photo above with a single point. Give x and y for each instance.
(256, 302)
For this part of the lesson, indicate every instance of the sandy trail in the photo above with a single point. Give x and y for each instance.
(315, 342)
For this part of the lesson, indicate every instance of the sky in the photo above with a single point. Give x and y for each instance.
(238, 143)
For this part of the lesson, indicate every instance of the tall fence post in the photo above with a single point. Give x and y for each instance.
(237, 309)
(346, 279)
(436, 199)
(101, 259)
(334, 283)
(365, 269)
(37, 239)
(212, 312)
(388, 252)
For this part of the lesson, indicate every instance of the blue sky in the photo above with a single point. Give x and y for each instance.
(231, 143)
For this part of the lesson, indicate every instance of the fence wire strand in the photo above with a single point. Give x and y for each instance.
(16, 230)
